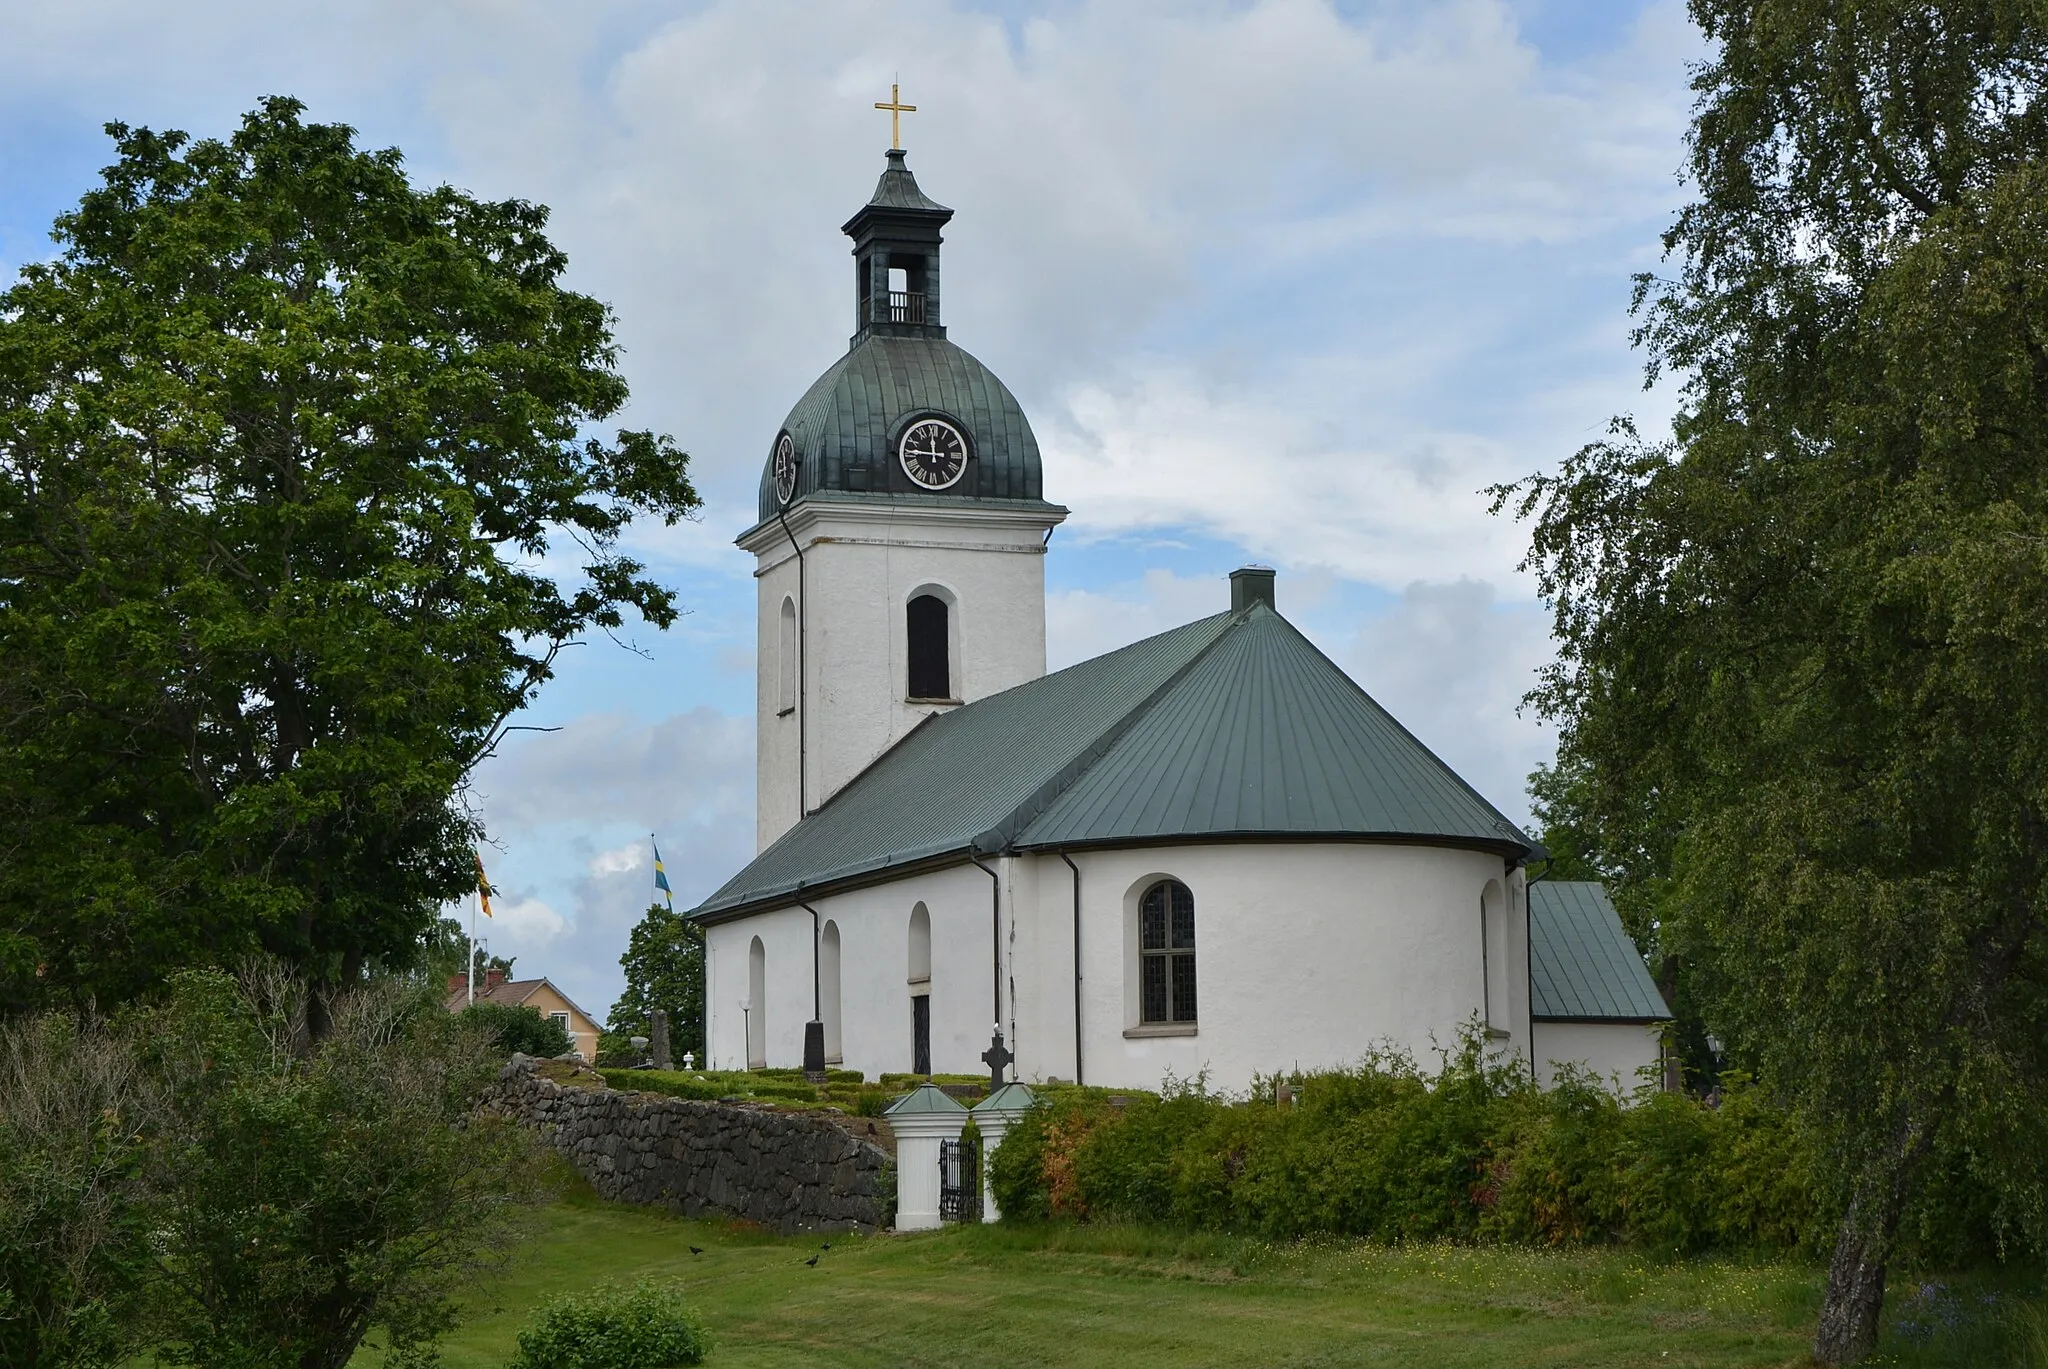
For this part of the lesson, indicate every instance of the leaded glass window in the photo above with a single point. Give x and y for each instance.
(1166, 947)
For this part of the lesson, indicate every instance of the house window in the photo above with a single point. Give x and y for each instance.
(755, 1009)
(1166, 949)
(930, 650)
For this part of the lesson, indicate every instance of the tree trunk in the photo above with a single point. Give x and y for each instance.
(1855, 1289)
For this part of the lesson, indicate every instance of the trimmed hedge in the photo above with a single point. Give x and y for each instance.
(1474, 1152)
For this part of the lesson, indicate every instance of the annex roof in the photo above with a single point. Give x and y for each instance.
(1582, 965)
(1230, 726)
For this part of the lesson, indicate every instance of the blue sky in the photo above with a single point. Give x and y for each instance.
(1285, 281)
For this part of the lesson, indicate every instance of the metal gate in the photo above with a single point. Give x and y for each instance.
(959, 1181)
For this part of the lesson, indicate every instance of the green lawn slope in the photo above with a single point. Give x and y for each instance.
(1130, 1297)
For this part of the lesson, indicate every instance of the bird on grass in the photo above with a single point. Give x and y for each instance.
(812, 1260)
(696, 1250)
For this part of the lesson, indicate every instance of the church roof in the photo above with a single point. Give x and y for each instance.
(1233, 726)
(1582, 965)
(845, 426)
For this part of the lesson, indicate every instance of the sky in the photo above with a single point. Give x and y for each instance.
(1276, 281)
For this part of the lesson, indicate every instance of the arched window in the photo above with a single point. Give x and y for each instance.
(828, 990)
(930, 648)
(1493, 952)
(920, 990)
(757, 1006)
(785, 659)
(1166, 953)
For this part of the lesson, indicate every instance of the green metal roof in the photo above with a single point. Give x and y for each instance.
(1008, 1098)
(960, 782)
(1232, 725)
(846, 425)
(1582, 965)
(926, 1097)
(1266, 735)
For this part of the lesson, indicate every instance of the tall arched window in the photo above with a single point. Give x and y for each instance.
(1166, 953)
(1493, 952)
(757, 1006)
(785, 658)
(828, 990)
(920, 990)
(930, 648)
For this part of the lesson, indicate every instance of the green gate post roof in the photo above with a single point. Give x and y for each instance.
(1230, 727)
(1582, 965)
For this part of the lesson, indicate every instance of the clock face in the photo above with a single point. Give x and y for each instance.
(785, 468)
(933, 453)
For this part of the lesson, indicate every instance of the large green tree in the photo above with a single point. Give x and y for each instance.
(1803, 677)
(301, 493)
(664, 965)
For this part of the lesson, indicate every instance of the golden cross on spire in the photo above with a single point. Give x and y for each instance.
(897, 109)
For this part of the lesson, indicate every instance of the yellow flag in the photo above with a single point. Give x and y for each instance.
(483, 886)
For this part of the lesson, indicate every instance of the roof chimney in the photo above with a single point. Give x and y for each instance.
(1251, 585)
(492, 979)
(457, 983)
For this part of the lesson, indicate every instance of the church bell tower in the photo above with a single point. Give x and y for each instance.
(901, 539)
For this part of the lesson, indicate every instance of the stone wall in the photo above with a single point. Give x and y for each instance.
(788, 1171)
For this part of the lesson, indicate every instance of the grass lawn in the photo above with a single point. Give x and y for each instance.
(1138, 1297)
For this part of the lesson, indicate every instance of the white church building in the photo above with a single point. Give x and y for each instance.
(1210, 850)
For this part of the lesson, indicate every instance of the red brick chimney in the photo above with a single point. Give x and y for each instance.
(456, 982)
(492, 979)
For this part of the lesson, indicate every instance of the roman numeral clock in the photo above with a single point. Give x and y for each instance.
(933, 453)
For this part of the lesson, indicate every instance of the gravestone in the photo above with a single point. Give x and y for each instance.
(658, 1034)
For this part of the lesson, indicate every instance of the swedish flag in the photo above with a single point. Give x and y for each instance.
(661, 877)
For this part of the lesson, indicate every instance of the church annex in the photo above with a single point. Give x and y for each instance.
(1207, 851)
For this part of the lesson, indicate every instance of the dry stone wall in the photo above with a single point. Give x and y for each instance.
(788, 1171)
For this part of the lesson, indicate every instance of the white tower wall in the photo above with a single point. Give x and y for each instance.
(862, 563)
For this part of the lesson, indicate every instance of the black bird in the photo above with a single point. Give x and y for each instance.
(696, 1250)
(812, 1260)
(826, 1246)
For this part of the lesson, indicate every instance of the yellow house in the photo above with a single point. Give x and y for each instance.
(538, 994)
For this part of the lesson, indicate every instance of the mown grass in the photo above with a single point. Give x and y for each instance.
(1133, 1296)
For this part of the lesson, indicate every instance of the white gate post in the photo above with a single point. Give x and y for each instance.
(921, 1121)
(995, 1115)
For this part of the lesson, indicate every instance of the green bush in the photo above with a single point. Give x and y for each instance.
(1471, 1151)
(647, 1326)
(514, 1027)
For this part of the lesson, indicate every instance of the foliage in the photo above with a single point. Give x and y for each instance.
(664, 965)
(288, 450)
(647, 1326)
(514, 1027)
(1470, 1152)
(305, 1195)
(1801, 671)
(74, 1112)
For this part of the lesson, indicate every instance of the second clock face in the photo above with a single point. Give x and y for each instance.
(933, 453)
(785, 468)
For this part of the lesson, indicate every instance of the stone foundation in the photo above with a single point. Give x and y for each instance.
(789, 1171)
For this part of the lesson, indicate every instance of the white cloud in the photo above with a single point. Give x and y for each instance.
(524, 922)
(619, 860)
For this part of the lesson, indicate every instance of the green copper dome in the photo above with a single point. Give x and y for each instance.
(899, 369)
(847, 424)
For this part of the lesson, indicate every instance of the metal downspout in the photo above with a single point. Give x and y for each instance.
(995, 942)
(1077, 964)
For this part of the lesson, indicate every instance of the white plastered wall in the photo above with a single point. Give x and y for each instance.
(1307, 954)
(862, 564)
(874, 988)
(1618, 1053)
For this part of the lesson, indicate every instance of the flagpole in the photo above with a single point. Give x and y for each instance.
(475, 900)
